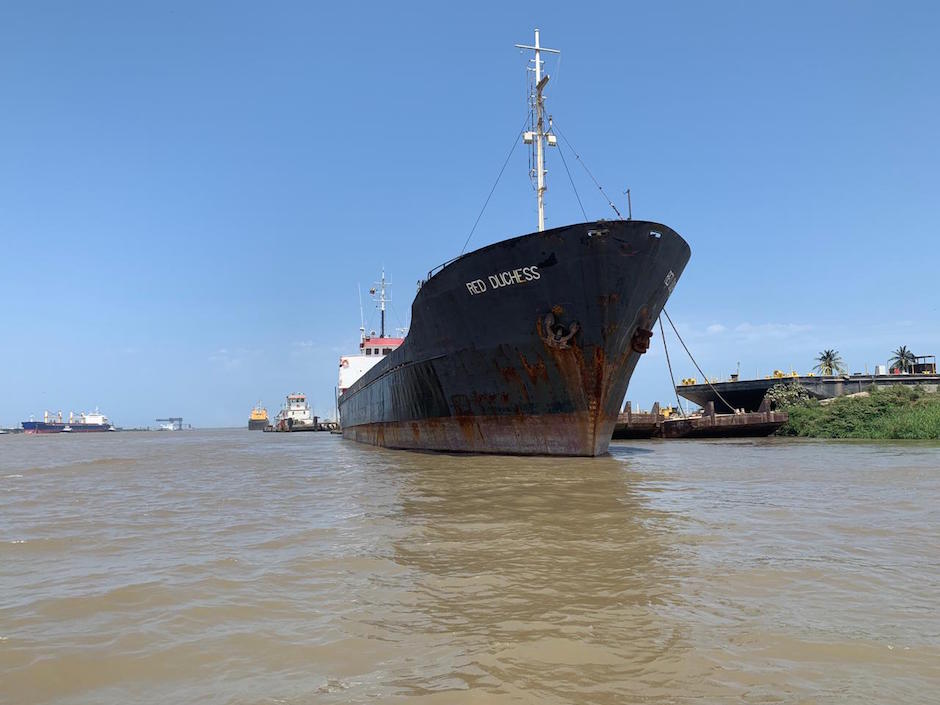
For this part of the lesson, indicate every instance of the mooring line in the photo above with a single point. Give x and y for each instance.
(486, 202)
(704, 376)
(672, 377)
(581, 161)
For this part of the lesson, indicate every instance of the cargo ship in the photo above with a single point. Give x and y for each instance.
(525, 346)
(83, 423)
(258, 420)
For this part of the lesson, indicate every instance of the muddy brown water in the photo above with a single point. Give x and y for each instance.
(238, 567)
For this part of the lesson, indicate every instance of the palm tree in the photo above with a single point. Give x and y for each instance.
(830, 363)
(903, 359)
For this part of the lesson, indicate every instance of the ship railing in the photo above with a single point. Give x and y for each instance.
(434, 270)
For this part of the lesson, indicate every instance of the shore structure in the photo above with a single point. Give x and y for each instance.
(525, 346)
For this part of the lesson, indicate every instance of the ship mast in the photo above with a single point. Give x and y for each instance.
(362, 318)
(538, 137)
(382, 301)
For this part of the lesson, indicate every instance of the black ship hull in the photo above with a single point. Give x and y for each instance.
(257, 424)
(57, 427)
(522, 347)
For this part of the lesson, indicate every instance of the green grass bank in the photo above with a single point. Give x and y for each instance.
(889, 413)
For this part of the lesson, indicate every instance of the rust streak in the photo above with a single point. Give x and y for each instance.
(511, 376)
(600, 373)
(535, 370)
(467, 427)
(570, 365)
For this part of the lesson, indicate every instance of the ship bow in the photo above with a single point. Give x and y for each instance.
(526, 346)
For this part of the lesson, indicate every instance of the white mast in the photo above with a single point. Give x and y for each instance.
(382, 300)
(362, 317)
(539, 135)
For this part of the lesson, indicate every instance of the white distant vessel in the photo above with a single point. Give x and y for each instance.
(295, 412)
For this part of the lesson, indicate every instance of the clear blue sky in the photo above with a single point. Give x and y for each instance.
(190, 192)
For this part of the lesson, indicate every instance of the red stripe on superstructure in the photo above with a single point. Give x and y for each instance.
(382, 341)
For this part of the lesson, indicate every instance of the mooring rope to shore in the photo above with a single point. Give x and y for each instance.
(688, 352)
(672, 378)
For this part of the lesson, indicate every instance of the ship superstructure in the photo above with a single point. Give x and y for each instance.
(258, 420)
(372, 348)
(525, 346)
(295, 412)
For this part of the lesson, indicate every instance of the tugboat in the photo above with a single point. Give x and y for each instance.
(258, 420)
(525, 346)
(295, 415)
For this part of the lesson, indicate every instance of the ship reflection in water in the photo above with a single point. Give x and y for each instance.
(212, 567)
(542, 580)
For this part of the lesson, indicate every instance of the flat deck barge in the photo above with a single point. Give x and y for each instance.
(707, 424)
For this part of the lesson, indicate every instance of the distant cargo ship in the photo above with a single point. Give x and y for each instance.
(83, 423)
(258, 420)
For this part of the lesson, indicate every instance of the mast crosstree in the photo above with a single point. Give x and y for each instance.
(539, 137)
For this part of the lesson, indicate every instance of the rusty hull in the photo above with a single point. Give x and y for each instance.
(533, 365)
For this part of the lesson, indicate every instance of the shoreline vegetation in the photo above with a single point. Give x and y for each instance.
(887, 413)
